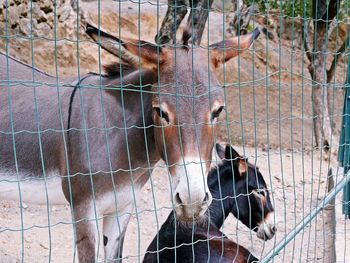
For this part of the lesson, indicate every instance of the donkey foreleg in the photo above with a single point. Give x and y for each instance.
(86, 235)
(114, 228)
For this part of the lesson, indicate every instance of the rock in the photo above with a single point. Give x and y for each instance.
(2, 29)
(28, 240)
(46, 5)
(25, 26)
(266, 148)
(23, 9)
(43, 246)
(50, 19)
(2, 4)
(289, 29)
(65, 30)
(43, 30)
(64, 13)
(38, 14)
(13, 16)
(223, 5)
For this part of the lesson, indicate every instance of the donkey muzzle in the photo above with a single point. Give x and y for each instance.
(191, 197)
(187, 211)
(267, 228)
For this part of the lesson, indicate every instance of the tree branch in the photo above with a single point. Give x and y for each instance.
(331, 26)
(306, 40)
(333, 9)
(325, 16)
(340, 51)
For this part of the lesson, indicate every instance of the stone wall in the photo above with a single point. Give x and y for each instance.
(38, 18)
(30, 30)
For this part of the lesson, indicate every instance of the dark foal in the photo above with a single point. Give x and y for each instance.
(237, 187)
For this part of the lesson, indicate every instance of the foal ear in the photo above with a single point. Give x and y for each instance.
(137, 53)
(242, 166)
(220, 150)
(227, 49)
(231, 153)
(238, 161)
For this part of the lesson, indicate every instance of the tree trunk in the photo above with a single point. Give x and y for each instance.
(176, 12)
(238, 22)
(322, 124)
(322, 15)
(322, 120)
(197, 19)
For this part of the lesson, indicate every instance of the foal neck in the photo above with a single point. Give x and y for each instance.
(218, 212)
(223, 190)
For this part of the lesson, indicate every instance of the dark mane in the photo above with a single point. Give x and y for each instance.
(186, 35)
(116, 69)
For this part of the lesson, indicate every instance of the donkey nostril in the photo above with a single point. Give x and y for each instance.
(206, 198)
(178, 199)
(274, 229)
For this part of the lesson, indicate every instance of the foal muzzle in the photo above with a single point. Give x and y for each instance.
(267, 228)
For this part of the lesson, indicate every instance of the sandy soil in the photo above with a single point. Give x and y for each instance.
(276, 133)
(296, 187)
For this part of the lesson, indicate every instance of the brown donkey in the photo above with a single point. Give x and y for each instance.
(163, 106)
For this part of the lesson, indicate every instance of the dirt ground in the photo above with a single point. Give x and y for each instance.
(268, 118)
(296, 187)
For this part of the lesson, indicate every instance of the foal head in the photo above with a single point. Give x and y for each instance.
(250, 200)
(187, 101)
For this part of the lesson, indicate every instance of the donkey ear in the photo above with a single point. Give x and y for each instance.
(238, 161)
(242, 166)
(227, 49)
(231, 153)
(137, 53)
(220, 150)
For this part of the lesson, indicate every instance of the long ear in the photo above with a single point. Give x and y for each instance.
(220, 150)
(137, 53)
(225, 50)
(238, 161)
(231, 153)
(111, 44)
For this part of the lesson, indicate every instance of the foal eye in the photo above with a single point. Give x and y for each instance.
(216, 113)
(260, 192)
(161, 114)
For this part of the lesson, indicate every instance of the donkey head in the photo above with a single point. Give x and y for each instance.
(252, 204)
(187, 101)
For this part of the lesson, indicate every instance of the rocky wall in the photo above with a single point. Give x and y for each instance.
(41, 19)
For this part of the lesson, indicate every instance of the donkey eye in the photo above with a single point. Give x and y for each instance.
(216, 113)
(260, 192)
(161, 114)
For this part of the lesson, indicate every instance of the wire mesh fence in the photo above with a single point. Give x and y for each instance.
(107, 139)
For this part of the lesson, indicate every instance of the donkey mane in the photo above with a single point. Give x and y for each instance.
(115, 69)
(25, 64)
(186, 35)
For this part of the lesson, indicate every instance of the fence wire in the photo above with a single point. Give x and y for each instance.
(97, 161)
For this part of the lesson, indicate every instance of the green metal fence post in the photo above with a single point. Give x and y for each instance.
(344, 143)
